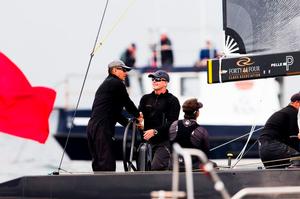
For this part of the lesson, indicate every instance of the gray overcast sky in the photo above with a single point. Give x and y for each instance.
(51, 40)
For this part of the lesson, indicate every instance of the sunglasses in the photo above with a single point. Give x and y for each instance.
(123, 69)
(157, 79)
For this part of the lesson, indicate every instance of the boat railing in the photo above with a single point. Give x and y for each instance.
(186, 154)
(266, 191)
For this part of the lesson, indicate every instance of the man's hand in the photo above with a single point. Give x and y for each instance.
(140, 119)
(149, 134)
(299, 135)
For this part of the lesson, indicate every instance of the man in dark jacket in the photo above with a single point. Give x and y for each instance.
(276, 145)
(110, 99)
(160, 109)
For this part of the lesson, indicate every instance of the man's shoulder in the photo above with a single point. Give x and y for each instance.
(175, 123)
(147, 95)
(172, 97)
(201, 130)
(286, 111)
(112, 84)
(113, 80)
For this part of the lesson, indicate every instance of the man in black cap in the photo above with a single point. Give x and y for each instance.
(187, 132)
(160, 109)
(277, 143)
(110, 99)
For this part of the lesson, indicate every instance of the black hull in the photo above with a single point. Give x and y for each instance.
(77, 148)
(139, 185)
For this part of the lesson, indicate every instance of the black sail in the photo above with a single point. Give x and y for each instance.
(263, 26)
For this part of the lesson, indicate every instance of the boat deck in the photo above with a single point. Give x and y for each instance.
(139, 185)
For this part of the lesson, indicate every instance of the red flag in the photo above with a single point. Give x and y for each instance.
(24, 110)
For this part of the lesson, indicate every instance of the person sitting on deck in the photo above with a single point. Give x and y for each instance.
(188, 133)
(277, 143)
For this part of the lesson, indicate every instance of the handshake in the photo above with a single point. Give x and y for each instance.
(140, 123)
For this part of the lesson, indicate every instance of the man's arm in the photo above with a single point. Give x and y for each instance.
(298, 116)
(121, 119)
(128, 103)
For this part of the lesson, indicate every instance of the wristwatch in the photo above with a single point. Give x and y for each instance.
(155, 132)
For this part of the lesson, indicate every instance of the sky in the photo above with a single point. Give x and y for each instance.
(51, 41)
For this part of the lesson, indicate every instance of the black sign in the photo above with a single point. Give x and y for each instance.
(253, 67)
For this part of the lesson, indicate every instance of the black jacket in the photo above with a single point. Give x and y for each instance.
(281, 125)
(110, 99)
(159, 111)
(189, 134)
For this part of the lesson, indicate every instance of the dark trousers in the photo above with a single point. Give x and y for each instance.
(161, 156)
(275, 154)
(101, 147)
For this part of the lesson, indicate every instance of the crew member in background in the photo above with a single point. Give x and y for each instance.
(278, 141)
(110, 99)
(206, 53)
(160, 109)
(188, 133)
(129, 59)
(166, 51)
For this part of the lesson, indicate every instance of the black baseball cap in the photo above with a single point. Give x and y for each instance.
(160, 74)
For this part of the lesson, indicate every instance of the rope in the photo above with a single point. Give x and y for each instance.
(221, 145)
(240, 156)
(271, 161)
(120, 18)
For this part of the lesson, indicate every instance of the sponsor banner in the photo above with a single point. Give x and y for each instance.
(253, 67)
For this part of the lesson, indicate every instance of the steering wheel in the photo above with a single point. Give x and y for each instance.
(128, 165)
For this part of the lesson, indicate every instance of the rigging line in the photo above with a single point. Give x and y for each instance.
(241, 154)
(121, 17)
(244, 148)
(270, 161)
(244, 154)
(81, 90)
(234, 139)
(278, 165)
(98, 33)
